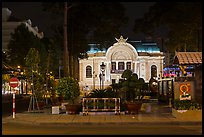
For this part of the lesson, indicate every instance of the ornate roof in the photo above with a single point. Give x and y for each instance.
(149, 47)
(139, 46)
(94, 49)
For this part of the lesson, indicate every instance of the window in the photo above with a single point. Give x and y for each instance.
(120, 65)
(153, 71)
(128, 65)
(88, 72)
(113, 66)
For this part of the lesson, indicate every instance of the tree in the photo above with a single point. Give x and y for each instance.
(32, 61)
(182, 22)
(95, 22)
(4, 57)
(66, 52)
(21, 41)
(50, 55)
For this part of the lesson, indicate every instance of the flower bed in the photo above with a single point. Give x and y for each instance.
(187, 110)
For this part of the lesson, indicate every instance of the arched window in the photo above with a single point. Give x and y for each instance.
(88, 72)
(113, 65)
(128, 65)
(120, 65)
(153, 71)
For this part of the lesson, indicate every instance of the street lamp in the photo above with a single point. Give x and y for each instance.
(21, 78)
(100, 77)
(17, 74)
(102, 66)
(19, 68)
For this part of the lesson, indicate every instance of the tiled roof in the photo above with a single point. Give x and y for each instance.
(189, 57)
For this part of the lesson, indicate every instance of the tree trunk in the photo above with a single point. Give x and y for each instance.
(76, 64)
(71, 65)
(66, 53)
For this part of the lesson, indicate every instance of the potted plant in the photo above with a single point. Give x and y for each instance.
(134, 89)
(68, 88)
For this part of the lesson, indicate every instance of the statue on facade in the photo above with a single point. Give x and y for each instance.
(121, 39)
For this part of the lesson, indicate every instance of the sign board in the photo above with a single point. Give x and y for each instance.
(14, 82)
(185, 91)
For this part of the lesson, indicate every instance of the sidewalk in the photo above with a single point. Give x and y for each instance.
(160, 114)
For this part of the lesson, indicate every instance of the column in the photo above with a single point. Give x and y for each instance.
(125, 65)
(108, 71)
(133, 66)
(116, 65)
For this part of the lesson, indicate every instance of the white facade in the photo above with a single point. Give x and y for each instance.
(8, 27)
(119, 57)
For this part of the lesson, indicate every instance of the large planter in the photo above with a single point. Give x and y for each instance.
(133, 108)
(72, 109)
(187, 115)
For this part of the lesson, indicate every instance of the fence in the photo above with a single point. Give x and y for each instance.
(100, 105)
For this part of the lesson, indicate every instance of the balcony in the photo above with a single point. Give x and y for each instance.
(117, 71)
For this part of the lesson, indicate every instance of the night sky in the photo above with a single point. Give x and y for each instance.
(33, 11)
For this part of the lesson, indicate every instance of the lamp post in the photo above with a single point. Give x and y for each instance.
(22, 77)
(93, 80)
(100, 77)
(102, 66)
(93, 74)
(19, 77)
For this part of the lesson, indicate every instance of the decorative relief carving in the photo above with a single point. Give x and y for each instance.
(121, 55)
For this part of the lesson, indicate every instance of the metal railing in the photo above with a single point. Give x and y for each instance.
(100, 105)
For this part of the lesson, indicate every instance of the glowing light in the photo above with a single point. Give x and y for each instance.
(148, 47)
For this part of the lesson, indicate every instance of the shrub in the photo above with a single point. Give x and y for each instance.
(186, 105)
(134, 87)
(68, 88)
